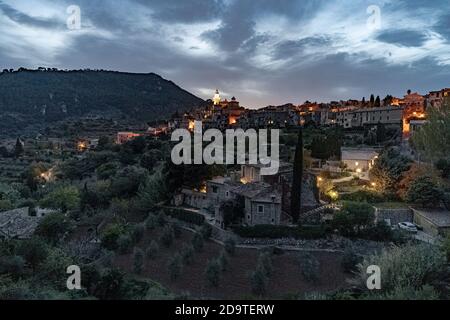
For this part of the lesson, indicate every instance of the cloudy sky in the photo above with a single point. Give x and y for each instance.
(262, 51)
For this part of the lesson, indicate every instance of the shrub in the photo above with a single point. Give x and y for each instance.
(309, 267)
(137, 233)
(265, 263)
(176, 230)
(138, 260)
(206, 231)
(152, 250)
(424, 192)
(275, 232)
(222, 260)
(124, 243)
(230, 246)
(258, 281)
(186, 216)
(63, 198)
(167, 237)
(212, 271)
(13, 265)
(54, 227)
(198, 242)
(188, 252)
(175, 267)
(34, 251)
(151, 222)
(350, 261)
(111, 235)
(364, 196)
(162, 218)
(408, 266)
(353, 218)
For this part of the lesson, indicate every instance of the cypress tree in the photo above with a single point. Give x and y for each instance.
(296, 191)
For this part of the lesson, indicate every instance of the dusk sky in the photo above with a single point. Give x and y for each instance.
(261, 51)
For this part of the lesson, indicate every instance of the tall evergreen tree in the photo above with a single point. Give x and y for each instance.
(377, 102)
(18, 149)
(296, 191)
(372, 100)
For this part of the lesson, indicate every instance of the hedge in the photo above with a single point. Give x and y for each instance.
(275, 232)
(185, 215)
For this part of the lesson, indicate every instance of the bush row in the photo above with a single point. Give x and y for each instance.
(273, 232)
(185, 215)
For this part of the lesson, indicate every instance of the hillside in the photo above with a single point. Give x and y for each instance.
(42, 96)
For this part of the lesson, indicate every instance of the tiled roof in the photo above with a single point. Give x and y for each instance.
(17, 224)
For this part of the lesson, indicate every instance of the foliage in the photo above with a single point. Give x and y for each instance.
(137, 232)
(63, 198)
(353, 218)
(222, 260)
(175, 267)
(297, 179)
(34, 251)
(433, 138)
(197, 242)
(275, 232)
(265, 263)
(444, 166)
(111, 285)
(206, 231)
(350, 260)
(414, 172)
(187, 254)
(13, 265)
(124, 243)
(408, 266)
(233, 211)
(364, 196)
(138, 260)
(167, 236)
(388, 170)
(152, 250)
(186, 216)
(111, 235)
(258, 281)
(53, 268)
(54, 227)
(425, 192)
(230, 246)
(152, 191)
(309, 266)
(212, 272)
(151, 222)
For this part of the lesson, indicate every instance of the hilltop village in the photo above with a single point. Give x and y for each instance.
(354, 178)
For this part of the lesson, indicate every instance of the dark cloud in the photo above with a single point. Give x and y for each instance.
(443, 26)
(185, 11)
(292, 48)
(405, 38)
(25, 19)
(134, 47)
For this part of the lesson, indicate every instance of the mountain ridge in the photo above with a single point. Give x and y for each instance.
(46, 95)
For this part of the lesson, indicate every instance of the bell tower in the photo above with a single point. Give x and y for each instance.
(216, 98)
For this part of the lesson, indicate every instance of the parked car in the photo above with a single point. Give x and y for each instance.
(408, 226)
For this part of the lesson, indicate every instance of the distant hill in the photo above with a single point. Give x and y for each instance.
(47, 95)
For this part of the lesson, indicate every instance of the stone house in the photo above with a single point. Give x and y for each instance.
(17, 224)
